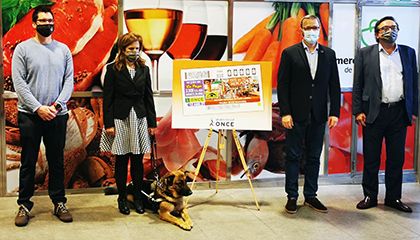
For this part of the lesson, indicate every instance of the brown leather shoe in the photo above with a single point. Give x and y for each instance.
(22, 217)
(397, 204)
(62, 213)
(367, 203)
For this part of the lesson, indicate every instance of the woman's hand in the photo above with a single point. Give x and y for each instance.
(151, 131)
(110, 131)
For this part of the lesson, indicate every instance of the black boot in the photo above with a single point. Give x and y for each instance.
(122, 206)
(138, 205)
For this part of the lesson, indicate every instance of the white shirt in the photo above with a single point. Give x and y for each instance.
(391, 75)
(312, 58)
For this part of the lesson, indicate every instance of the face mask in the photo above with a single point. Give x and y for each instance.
(311, 36)
(132, 56)
(45, 30)
(389, 36)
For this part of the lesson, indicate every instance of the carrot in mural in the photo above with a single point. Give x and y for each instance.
(284, 28)
(272, 54)
(291, 28)
(258, 45)
(324, 13)
(243, 43)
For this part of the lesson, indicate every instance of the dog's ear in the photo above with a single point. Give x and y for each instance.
(169, 180)
(184, 171)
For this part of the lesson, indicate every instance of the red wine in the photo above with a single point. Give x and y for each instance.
(213, 48)
(189, 41)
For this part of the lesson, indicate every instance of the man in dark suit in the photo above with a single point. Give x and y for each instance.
(385, 102)
(307, 79)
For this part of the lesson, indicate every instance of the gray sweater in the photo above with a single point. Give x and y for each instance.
(42, 75)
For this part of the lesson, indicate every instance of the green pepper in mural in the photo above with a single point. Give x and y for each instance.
(14, 10)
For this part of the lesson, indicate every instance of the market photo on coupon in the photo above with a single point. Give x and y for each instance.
(163, 118)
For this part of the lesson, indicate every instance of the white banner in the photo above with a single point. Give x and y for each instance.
(221, 95)
(406, 17)
(343, 42)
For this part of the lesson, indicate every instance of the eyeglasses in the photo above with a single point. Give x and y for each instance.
(310, 28)
(386, 28)
(46, 20)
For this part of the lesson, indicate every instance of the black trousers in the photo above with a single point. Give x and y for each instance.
(136, 171)
(390, 125)
(53, 134)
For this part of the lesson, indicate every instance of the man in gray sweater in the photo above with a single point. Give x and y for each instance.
(42, 73)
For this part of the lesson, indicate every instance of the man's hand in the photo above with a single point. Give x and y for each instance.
(47, 113)
(110, 131)
(413, 119)
(332, 122)
(287, 121)
(361, 119)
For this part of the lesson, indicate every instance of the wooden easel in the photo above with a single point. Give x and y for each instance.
(221, 145)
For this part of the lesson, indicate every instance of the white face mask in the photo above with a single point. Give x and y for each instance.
(311, 36)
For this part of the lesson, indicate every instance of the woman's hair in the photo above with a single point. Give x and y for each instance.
(124, 41)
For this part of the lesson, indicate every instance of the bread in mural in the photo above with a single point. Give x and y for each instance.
(81, 129)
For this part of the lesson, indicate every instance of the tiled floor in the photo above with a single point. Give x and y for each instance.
(229, 214)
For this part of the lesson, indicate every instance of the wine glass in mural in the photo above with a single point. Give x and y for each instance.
(193, 32)
(158, 22)
(216, 41)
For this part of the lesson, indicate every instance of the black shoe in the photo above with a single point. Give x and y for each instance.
(367, 203)
(138, 205)
(316, 204)
(291, 206)
(397, 204)
(122, 206)
(22, 217)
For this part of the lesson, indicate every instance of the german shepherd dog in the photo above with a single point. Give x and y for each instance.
(169, 195)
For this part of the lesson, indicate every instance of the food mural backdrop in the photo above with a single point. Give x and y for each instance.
(261, 30)
(89, 28)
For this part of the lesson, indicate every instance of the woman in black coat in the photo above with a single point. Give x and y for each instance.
(129, 116)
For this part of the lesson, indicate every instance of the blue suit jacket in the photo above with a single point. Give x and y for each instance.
(367, 84)
(296, 91)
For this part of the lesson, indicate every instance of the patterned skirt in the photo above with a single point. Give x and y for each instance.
(131, 136)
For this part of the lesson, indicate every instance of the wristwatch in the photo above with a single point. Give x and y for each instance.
(57, 106)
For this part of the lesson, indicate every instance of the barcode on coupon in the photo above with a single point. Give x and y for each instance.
(221, 107)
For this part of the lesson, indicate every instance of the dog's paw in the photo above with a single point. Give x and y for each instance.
(189, 223)
(185, 226)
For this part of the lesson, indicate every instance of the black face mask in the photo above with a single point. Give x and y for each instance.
(45, 30)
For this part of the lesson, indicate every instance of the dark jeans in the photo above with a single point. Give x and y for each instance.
(391, 125)
(311, 133)
(53, 133)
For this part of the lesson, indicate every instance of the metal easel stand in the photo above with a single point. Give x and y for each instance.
(221, 145)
